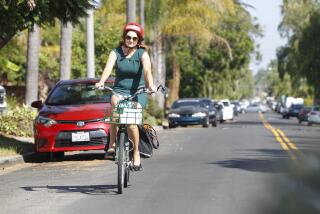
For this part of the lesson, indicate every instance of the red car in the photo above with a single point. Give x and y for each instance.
(72, 118)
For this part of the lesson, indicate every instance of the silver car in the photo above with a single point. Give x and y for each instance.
(314, 115)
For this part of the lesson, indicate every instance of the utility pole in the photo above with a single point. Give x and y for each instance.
(131, 11)
(90, 45)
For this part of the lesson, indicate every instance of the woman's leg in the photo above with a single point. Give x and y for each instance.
(113, 127)
(133, 133)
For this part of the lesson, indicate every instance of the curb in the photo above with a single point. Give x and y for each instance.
(14, 159)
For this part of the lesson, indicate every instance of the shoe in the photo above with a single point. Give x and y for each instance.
(109, 153)
(137, 168)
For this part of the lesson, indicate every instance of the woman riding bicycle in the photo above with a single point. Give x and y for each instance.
(133, 70)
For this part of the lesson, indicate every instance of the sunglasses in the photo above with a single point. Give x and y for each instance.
(133, 38)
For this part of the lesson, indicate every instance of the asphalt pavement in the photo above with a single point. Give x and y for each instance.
(242, 166)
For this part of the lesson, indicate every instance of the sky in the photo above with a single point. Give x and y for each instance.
(268, 14)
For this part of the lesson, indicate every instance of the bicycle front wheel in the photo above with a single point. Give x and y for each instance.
(121, 163)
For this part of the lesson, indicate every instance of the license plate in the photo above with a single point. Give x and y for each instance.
(80, 136)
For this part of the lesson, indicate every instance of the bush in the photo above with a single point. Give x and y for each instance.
(18, 121)
(153, 115)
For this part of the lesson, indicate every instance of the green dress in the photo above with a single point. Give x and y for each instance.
(130, 75)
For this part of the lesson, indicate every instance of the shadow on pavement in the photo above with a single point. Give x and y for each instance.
(270, 161)
(86, 189)
(275, 165)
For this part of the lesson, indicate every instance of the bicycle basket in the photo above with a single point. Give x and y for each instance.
(126, 112)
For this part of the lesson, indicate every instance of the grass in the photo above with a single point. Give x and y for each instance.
(10, 146)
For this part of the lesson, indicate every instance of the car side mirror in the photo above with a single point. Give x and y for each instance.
(37, 104)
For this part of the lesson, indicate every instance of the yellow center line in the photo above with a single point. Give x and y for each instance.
(281, 138)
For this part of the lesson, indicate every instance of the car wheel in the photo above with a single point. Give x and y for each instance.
(300, 121)
(206, 123)
(214, 124)
(171, 126)
(309, 124)
(221, 121)
(56, 156)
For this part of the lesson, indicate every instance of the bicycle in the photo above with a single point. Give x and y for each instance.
(125, 113)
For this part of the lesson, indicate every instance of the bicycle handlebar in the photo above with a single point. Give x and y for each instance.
(140, 90)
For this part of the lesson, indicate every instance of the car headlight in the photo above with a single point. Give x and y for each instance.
(47, 122)
(173, 115)
(199, 114)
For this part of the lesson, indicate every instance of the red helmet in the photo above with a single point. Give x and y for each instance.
(132, 26)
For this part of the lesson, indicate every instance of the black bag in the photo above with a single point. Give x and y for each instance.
(148, 140)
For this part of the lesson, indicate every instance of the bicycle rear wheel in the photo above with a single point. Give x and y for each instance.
(121, 163)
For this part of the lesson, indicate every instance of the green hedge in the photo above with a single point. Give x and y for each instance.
(18, 121)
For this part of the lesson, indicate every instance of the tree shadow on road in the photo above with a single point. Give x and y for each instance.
(275, 165)
(270, 161)
(86, 189)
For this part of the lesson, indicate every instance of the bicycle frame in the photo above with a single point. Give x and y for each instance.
(125, 113)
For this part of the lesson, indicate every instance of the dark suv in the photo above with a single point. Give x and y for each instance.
(293, 111)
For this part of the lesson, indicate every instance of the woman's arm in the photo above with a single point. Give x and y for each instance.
(108, 68)
(146, 63)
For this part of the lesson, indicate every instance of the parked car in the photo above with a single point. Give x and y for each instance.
(314, 115)
(255, 108)
(292, 111)
(218, 106)
(3, 103)
(186, 111)
(227, 110)
(236, 107)
(303, 114)
(208, 103)
(72, 118)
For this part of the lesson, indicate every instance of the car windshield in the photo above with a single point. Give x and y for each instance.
(80, 93)
(297, 106)
(187, 103)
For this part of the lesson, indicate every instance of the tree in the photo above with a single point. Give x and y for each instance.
(299, 57)
(16, 16)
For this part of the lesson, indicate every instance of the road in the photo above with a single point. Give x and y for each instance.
(250, 165)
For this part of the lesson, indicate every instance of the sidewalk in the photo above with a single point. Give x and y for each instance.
(8, 160)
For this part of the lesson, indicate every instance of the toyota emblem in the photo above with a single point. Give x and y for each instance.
(80, 123)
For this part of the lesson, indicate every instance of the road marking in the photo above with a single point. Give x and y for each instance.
(284, 141)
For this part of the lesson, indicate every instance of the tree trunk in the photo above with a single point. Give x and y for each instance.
(131, 11)
(316, 99)
(141, 11)
(65, 51)
(174, 83)
(32, 65)
(159, 68)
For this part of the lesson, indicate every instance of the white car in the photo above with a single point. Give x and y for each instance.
(314, 115)
(227, 110)
(3, 104)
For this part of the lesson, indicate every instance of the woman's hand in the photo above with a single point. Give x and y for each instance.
(152, 89)
(99, 84)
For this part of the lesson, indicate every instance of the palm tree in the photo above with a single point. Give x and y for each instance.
(192, 18)
(65, 51)
(32, 65)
